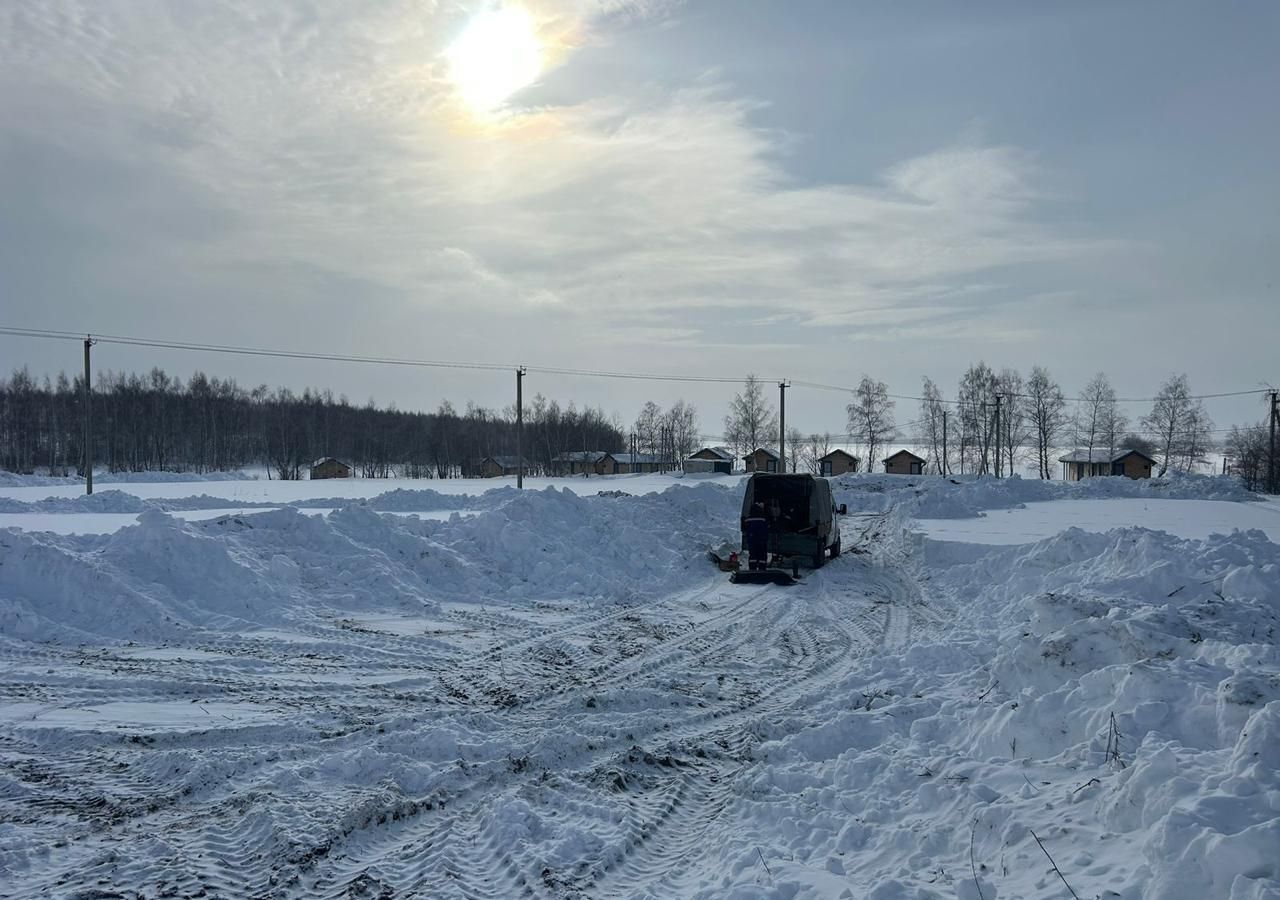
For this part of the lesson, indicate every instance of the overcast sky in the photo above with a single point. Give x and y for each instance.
(802, 190)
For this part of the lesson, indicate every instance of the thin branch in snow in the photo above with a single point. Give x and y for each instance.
(1055, 865)
(765, 864)
(973, 865)
(1090, 783)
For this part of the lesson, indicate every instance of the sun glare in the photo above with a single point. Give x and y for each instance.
(494, 57)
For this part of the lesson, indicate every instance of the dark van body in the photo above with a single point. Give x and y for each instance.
(799, 515)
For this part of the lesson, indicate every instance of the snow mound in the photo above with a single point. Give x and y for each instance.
(13, 479)
(964, 496)
(1118, 694)
(163, 576)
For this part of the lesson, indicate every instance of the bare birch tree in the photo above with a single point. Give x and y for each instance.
(752, 421)
(1046, 409)
(1179, 424)
(795, 449)
(871, 417)
(1097, 417)
(929, 430)
(682, 425)
(818, 447)
(1015, 425)
(977, 402)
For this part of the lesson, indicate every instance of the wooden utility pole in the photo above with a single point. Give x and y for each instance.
(520, 427)
(999, 439)
(943, 467)
(782, 426)
(88, 420)
(1272, 486)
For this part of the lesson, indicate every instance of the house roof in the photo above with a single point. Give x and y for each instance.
(839, 452)
(718, 452)
(765, 450)
(581, 456)
(637, 458)
(507, 462)
(904, 453)
(328, 459)
(1101, 456)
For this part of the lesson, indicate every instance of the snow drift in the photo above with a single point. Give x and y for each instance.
(163, 575)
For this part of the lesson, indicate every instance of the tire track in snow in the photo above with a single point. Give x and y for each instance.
(784, 643)
(779, 624)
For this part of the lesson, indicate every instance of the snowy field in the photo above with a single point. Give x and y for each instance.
(1036, 521)
(1001, 690)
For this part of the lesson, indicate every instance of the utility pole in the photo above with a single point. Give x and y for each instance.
(999, 439)
(520, 370)
(984, 430)
(1272, 486)
(943, 467)
(782, 426)
(88, 421)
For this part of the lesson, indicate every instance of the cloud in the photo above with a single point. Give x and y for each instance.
(261, 141)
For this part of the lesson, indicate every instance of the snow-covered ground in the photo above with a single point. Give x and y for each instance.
(552, 694)
(1035, 521)
(258, 490)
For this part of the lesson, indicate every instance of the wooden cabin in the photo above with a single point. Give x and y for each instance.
(762, 459)
(838, 462)
(633, 463)
(904, 462)
(500, 466)
(711, 460)
(581, 462)
(1082, 464)
(328, 467)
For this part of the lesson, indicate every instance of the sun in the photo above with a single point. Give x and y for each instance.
(497, 55)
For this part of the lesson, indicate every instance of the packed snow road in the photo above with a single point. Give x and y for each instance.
(413, 755)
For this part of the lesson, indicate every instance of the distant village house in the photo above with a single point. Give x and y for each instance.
(710, 460)
(500, 466)
(328, 467)
(904, 462)
(1082, 464)
(581, 462)
(634, 463)
(762, 459)
(838, 462)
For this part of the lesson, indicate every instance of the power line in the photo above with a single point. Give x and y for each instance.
(131, 340)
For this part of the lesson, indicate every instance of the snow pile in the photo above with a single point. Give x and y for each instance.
(962, 496)
(163, 575)
(1116, 694)
(399, 500)
(15, 480)
(101, 502)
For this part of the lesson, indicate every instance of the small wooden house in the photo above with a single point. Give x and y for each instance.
(904, 462)
(838, 462)
(632, 463)
(328, 467)
(762, 459)
(1082, 464)
(581, 462)
(500, 466)
(710, 460)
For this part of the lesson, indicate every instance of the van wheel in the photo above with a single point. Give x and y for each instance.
(818, 559)
(835, 549)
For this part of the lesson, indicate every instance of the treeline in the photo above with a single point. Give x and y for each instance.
(157, 422)
(998, 421)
